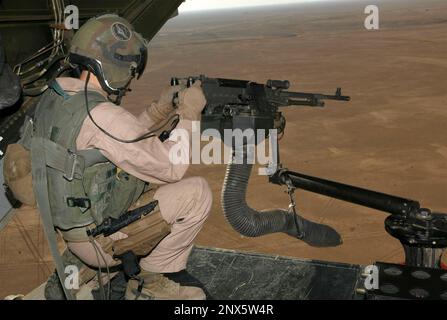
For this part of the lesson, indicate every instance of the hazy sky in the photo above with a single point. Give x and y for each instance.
(193, 5)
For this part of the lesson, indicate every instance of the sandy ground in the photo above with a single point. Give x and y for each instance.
(391, 137)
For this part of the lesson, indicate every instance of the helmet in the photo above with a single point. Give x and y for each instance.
(109, 47)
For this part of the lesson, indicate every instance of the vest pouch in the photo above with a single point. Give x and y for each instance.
(17, 173)
(127, 190)
(99, 182)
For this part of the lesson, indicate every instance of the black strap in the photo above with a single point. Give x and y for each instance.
(11, 198)
(130, 263)
(112, 269)
(84, 203)
(128, 58)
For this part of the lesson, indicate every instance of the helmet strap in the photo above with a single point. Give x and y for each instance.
(122, 92)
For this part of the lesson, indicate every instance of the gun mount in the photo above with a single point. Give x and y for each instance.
(422, 233)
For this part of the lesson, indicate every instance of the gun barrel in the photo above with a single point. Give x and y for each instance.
(337, 97)
(305, 102)
(315, 96)
(367, 198)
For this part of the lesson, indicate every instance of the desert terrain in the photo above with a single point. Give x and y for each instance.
(391, 137)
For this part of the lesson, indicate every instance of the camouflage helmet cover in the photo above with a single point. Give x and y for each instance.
(110, 47)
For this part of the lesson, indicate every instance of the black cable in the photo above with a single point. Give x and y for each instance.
(99, 272)
(147, 135)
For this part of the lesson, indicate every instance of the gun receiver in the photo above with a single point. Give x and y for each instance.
(241, 104)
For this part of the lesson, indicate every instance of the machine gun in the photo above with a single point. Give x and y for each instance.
(239, 104)
(242, 104)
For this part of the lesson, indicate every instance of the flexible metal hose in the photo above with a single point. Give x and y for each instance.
(247, 221)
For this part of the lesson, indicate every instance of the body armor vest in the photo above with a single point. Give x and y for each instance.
(83, 186)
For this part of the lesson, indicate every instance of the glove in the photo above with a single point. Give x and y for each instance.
(160, 110)
(167, 95)
(191, 102)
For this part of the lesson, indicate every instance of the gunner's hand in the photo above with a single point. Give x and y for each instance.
(191, 102)
(162, 109)
(168, 94)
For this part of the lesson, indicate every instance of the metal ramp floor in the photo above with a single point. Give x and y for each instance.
(231, 275)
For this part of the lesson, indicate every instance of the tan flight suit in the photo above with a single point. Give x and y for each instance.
(184, 203)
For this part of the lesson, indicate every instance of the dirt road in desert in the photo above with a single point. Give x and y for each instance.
(392, 136)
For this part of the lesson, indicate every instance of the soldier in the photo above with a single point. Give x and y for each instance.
(92, 160)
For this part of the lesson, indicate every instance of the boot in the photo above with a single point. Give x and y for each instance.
(155, 286)
(184, 278)
(118, 286)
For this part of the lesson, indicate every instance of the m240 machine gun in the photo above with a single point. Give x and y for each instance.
(238, 104)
